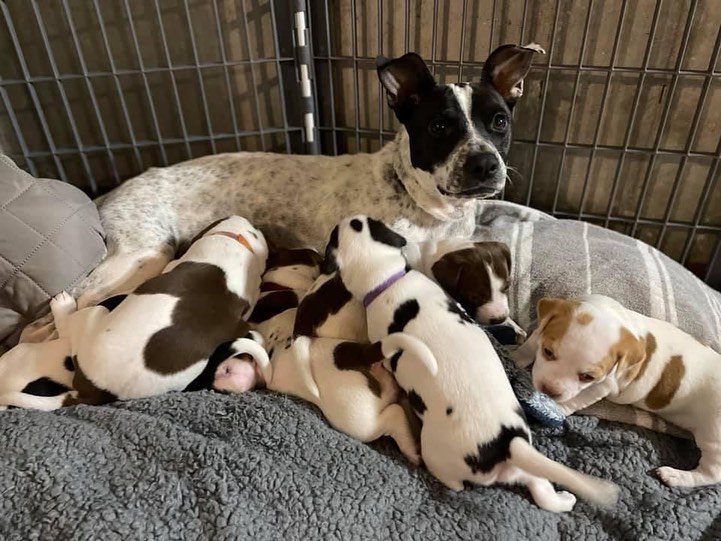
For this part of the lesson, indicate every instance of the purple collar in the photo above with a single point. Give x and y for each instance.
(376, 291)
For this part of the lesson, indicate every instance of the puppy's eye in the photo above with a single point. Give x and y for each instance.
(585, 377)
(438, 128)
(500, 122)
(549, 354)
(505, 288)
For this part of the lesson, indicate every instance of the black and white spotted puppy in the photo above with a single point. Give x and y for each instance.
(473, 426)
(162, 337)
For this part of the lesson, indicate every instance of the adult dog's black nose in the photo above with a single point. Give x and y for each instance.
(482, 166)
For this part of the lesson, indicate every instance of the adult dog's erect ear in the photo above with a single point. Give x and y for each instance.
(405, 79)
(506, 67)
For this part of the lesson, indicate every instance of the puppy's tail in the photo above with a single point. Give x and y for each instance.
(402, 343)
(592, 489)
(252, 345)
(301, 348)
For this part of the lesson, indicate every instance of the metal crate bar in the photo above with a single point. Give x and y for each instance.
(63, 95)
(150, 144)
(691, 140)
(569, 124)
(91, 90)
(543, 104)
(666, 110)
(31, 90)
(116, 80)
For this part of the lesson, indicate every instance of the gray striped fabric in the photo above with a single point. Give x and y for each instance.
(565, 258)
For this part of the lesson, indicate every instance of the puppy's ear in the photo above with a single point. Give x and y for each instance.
(548, 305)
(405, 79)
(630, 353)
(447, 272)
(330, 264)
(380, 232)
(506, 68)
(499, 254)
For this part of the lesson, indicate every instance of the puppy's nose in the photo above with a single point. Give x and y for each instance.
(550, 391)
(482, 166)
(496, 320)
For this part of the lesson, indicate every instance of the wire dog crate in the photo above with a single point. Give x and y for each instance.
(620, 124)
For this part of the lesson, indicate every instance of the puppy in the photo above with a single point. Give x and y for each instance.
(161, 337)
(288, 276)
(476, 274)
(592, 348)
(473, 426)
(37, 376)
(356, 400)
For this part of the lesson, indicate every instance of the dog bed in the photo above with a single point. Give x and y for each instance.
(265, 466)
(51, 239)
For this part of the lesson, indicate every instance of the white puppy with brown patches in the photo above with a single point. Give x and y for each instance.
(162, 336)
(592, 348)
(473, 426)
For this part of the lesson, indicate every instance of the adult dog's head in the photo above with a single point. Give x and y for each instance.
(458, 135)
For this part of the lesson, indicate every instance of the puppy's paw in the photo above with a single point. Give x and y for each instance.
(674, 478)
(63, 304)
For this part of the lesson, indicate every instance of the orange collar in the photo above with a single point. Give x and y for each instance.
(240, 238)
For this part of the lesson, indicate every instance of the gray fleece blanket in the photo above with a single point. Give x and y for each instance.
(265, 466)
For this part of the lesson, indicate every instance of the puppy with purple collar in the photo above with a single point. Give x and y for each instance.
(161, 337)
(473, 426)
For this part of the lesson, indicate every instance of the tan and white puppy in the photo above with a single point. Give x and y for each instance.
(592, 348)
(476, 274)
(161, 337)
(473, 426)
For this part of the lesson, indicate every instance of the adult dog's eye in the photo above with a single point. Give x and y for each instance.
(500, 122)
(548, 354)
(585, 377)
(438, 128)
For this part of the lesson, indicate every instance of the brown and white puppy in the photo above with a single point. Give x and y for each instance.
(161, 337)
(476, 274)
(592, 348)
(289, 275)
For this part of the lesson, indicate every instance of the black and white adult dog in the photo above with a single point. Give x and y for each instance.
(449, 152)
(473, 426)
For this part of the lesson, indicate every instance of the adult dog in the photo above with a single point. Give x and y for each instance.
(449, 152)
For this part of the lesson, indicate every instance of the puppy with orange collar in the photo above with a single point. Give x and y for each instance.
(592, 348)
(164, 335)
